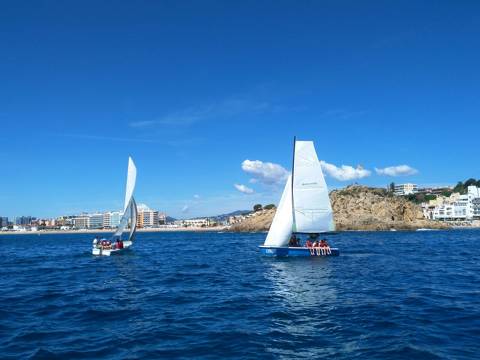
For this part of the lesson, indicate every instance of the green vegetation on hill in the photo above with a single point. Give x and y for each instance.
(259, 207)
(420, 197)
(462, 188)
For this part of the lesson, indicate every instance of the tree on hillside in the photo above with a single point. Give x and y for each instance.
(257, 207)
(470, 182)
(458, 188)
(269, 206)
(447, 193)
(392, 187)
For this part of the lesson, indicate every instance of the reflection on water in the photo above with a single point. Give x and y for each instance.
(304, 290)
(301, 282)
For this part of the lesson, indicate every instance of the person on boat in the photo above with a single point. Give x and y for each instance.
(316, 247)
(309, 246)
(325, 247)
(293, 241)
(119, 244)
(95, 241)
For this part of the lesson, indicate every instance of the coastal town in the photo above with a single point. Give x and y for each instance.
(451, 205)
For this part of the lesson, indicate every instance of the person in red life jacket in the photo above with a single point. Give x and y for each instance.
(309, 245)
(119, 244)
(325, 247)
(316, 247)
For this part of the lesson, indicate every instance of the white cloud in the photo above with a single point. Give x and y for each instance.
(226, 108)
(399, 170)
(196, 196)
(244, 189)
(265, 172)
(185, 209)
(345, 172)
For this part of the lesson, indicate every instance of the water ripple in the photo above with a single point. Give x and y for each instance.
(401, 295)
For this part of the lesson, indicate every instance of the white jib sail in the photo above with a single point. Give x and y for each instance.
(129, 202)
(281, 228)
(312, 208)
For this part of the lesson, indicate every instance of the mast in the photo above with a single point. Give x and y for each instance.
(293, 177)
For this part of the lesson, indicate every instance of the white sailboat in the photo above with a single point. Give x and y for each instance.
(115, 244)
(304, 207)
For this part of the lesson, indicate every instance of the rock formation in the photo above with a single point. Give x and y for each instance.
(359, 208)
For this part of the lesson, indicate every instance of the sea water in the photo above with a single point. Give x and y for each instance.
(390, 295)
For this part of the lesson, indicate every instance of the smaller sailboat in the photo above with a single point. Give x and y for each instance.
(116, 244)
(303, 209)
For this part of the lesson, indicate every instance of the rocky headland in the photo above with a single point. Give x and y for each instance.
(359, 208)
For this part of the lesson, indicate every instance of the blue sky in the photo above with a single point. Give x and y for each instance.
(191, 90)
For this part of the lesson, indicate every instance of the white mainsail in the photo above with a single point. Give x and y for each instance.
(281, 228)
(312, 209)
(131, 179)
(305, 206)
(130, 207)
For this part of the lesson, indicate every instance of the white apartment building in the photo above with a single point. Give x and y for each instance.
(464, 207)
(81, 222)
(112, 219)
(194, 222)
(88, 221)
(405, 189)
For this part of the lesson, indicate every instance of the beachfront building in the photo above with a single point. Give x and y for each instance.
(95, 221)
(3, 222)
(405, 189)
(148, 218)
(201, 222)
(88, 221)
(112, 219)
(457, 207)
(81, 222)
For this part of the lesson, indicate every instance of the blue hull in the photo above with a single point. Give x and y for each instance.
(293, 251)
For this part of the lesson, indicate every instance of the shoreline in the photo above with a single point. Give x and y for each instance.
(106, 231)
(215, 229)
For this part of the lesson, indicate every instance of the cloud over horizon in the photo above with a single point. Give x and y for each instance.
(243, 189)
(226, 108)
(344, 172)
(265, 172)
(399, 170)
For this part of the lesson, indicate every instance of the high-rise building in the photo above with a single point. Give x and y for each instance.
(112, 219)
(147, 217)
(23, 220)
(95, 221)
(81, 222)
(3, 221)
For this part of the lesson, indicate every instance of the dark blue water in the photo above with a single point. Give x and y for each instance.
(395, 295)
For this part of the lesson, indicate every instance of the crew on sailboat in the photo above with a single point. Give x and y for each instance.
(294, 241)
(325, 248)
